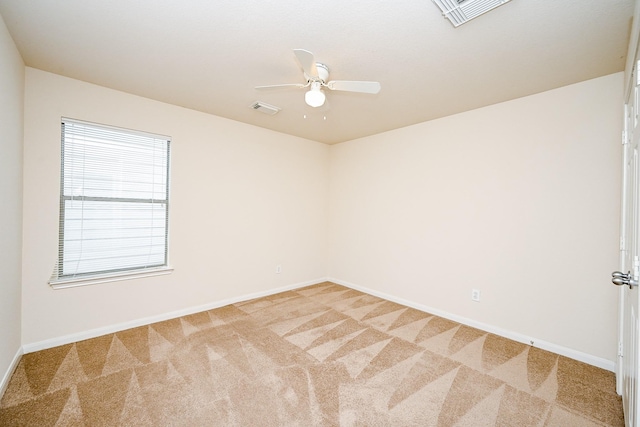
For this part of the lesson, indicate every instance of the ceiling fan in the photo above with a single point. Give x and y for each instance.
(317, 75)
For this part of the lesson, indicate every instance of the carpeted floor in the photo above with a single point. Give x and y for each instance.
(324, 355)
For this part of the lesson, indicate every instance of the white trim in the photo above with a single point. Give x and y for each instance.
(599, 362)
(106, 278)
(92, 333)
(544, 345)
(12, 367)
(116, 128)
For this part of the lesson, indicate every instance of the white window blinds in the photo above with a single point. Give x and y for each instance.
(114, 201)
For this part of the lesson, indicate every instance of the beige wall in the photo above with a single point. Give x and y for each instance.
(243, 199)
(519, 200)
(11, 122)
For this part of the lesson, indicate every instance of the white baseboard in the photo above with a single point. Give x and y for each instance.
(515, 336)
(609, 365)
(7, 375)
(92, 333)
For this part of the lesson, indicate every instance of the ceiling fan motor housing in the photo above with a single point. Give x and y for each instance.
(323, 73)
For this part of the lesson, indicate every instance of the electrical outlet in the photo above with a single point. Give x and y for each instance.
(475, 295)
(278, 269)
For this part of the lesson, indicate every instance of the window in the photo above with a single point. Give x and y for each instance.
(114, 201)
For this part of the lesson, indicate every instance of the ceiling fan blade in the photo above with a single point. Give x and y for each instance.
(283, 86)
(353, 86)
(307, 61)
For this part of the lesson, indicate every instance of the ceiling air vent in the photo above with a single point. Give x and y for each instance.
(264, 108)
(461, 11)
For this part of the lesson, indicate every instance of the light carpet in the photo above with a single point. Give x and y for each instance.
(324, 355)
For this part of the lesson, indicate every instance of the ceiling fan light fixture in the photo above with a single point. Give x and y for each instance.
(315, 97)
(316, 77)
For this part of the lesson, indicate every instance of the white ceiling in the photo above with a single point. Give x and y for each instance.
(208, 55)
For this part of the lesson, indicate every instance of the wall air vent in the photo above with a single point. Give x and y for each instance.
(264, 108)
(461, 11)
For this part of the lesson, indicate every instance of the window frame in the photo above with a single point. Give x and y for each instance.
(58, 280)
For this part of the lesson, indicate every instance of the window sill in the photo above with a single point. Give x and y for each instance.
(105, 278)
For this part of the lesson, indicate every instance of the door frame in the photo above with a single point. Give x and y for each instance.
(630, 83)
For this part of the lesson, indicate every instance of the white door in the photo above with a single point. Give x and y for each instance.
(629, 275)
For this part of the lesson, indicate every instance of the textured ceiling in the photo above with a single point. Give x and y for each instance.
(208, 55)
